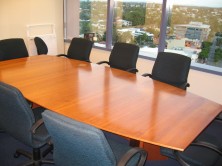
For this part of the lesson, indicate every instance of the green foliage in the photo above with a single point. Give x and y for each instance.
(152, 45)
(205, 50)
(134, 14)
(85, 15)
(85, 27)
(143, 40)
(104, 36)
(85, 4)
(203, 54)
(115, 35)
(219, 42)
(206, 45)
(218, 55)
(218, 34)
(136, 17)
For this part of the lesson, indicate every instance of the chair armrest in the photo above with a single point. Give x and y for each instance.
(130, 154)
(184, 86)
(208, 145)
(88, 61)
(101, 62)
(179, 159)
(36, 125)
(132, 70)
(62, 55)
(147, 74)
(219, 117)
(197, 143)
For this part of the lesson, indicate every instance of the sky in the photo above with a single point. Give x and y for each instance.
(206, 3)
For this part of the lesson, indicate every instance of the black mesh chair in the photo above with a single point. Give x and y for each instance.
(24, 124)
(79, 49)
(13, 48)
(124, 57)
(80, 144)
(171, 68)
(40, 46)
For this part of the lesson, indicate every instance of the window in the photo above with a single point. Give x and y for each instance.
(186, 27)
(196, 28)
(137, 22)
(93, 18)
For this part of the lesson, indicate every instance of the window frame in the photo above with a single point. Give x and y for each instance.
(161, 46)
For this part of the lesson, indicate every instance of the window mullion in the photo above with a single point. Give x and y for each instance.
(109, 23)
(163, 28)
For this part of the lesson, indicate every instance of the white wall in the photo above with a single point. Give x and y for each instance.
(15, 15)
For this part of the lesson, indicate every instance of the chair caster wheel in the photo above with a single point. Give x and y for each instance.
(16, 155)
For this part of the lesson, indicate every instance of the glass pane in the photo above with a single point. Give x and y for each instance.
(195, 30)
(138, 22)
(93, 15)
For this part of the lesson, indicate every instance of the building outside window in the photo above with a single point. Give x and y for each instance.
(189, 28)
(196, 31)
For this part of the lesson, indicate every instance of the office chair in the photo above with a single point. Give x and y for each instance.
(40, 46)
(197, 154)
(24, 124)
(124, 57)
(79, 49)
(171, 68)
(12, 48)
(80, 144)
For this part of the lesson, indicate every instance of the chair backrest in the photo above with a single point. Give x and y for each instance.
(16, 116)
(80, 49)
(76, 143)
(13, 48)
(40, 46)
(124, 56)
(171, 68)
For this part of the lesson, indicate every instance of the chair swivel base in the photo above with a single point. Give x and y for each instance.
(34, 157)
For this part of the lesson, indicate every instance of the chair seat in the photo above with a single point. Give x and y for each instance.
(41, 137)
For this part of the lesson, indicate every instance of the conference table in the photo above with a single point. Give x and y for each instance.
(113, 100)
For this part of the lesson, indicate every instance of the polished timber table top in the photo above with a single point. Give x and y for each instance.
(113, 100)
